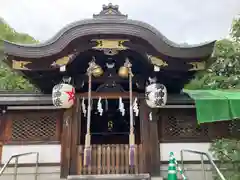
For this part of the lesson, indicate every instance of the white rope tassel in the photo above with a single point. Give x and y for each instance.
(99, 106)
(135, 107)
(121, 106)
(84, 110)
(150, 116)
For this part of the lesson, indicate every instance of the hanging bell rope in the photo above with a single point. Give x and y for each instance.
(131, 133)
(87, 148)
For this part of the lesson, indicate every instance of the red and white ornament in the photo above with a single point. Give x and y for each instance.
(63, 95)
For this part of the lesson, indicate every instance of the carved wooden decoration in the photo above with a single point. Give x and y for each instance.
(157, 61)
(196, 66)
(114, 44)
(62, 61)
(20, 65)
(110, 10)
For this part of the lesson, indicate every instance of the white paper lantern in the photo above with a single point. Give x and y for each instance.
(63, 95)
(156, 95)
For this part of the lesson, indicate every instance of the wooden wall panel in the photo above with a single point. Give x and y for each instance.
(24, 127)
(180, 125)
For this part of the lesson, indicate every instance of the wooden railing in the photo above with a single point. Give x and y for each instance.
(110, 159)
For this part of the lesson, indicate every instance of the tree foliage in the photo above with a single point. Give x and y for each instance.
(223, 70)
(224, 73)
(235, 32)
(228, 152)
(9, 79)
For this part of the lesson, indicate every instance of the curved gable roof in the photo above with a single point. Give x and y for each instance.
(109, 21)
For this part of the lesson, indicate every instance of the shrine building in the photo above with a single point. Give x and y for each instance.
(105, 123)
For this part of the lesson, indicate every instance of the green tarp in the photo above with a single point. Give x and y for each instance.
(216, 105)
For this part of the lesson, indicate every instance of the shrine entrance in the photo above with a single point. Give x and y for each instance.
(110, 126)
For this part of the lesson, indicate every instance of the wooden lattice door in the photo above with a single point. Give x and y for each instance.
(110, 159)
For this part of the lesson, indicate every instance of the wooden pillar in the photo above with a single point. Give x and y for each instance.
(149, 140)
(66, 142)
(4, 135)
(76, 135)
(154, 146)
(144, 129)
(69, 140)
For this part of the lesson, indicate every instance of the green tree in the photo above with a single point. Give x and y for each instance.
(11, 80)
(223, 70)
(235, 32)
(224, 73)
(228, 152)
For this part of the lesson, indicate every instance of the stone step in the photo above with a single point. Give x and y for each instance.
(111, 177)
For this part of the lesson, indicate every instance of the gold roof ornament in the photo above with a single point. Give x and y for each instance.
(107, 45)
(110, 10)
(20, 65)
(157, 61)
(62, 61)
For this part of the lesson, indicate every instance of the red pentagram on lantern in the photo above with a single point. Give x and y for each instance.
(71, 94)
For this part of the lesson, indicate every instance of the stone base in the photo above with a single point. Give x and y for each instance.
(110, 177)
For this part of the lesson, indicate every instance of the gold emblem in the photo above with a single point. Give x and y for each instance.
(110, 125)
(110, 11)
(157, 61)
(114, 44)
(20, 65)
(62, 61)
(196, 66)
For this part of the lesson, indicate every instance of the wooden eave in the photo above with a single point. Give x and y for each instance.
(74, 41)
(25, 99)
(105, 24)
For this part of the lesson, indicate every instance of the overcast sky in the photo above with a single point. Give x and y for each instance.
(191, 21)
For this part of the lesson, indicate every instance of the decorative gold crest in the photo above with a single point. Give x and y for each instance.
(62, 61)
(20, 65)
(110, 11)
(115, 44)
(196, 66)
(157, 61)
